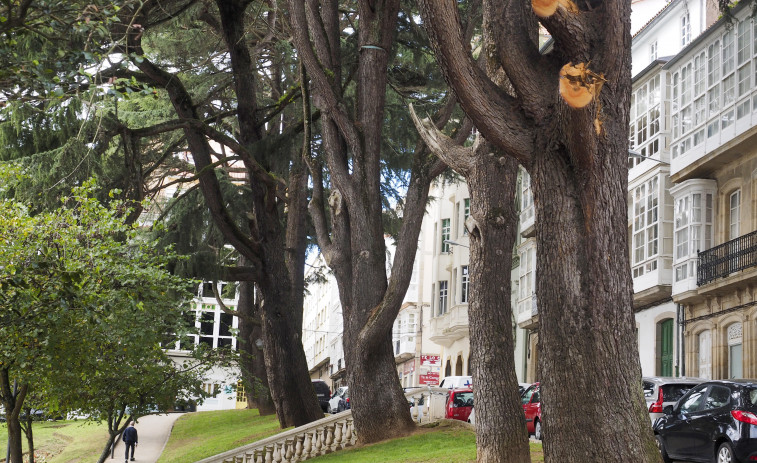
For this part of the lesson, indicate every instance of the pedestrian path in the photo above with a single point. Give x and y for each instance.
(153, 432)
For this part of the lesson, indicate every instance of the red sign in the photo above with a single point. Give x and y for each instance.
(430, 379)
(431, 360)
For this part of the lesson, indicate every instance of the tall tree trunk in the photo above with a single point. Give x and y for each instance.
(575, 150)
(291, 390)
(500, 424)
(581, 232)
(252, 361)
(492, 225)
(282, 250)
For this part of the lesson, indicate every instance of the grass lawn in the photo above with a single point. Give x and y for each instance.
(200, 435)
(63, 441)
(447, 443)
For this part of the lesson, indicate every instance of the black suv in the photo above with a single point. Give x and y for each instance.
(323, 392)
(714, 421)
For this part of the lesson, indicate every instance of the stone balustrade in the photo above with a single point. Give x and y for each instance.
(330, 434)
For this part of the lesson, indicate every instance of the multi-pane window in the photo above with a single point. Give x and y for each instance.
(526, 278)
(526, 198)
(645, 227)
(692, 231)
(207, 325)
(445, 234)
(653, 51)
(464, 284)
(645, 120)
(714, 89)
(685, 30)
(734, 208)
(225, 334)
(744, 42)
(443, 293)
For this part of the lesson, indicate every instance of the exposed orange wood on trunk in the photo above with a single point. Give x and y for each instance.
(579, 85)
(546, 8)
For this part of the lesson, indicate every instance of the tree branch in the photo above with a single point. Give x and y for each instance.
(497, 115)
(200, 149)
(326, 99)
(453, 154)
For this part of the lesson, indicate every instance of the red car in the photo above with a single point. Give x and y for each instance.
(459, 404)
(531, 400)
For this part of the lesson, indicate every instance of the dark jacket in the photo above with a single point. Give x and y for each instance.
(130, 435)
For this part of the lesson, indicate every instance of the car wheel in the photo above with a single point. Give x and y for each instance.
(661, 448)
(537, 430)
(725, 454)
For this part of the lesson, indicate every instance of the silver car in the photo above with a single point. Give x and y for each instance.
(660, 391)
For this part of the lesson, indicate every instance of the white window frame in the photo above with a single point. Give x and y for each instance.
(443, 296)
(734, 215)
(464, 284)
(685, 29)
(446, 234)
(645, 227)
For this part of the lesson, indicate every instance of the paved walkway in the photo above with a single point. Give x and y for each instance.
(153, 432)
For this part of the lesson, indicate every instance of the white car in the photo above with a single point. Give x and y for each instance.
(453, 382)
(333, 406)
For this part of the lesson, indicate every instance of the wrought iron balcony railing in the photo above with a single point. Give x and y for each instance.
(724, 259)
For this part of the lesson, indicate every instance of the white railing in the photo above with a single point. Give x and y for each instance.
(427, 403)
(327, 435)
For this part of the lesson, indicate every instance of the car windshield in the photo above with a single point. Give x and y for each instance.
(648, 389)
(526, 397)
(673, 392)
(463, 399)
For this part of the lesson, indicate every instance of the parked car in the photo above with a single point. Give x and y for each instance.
(661, 391)
(451, 382)
(334, 401)
(714, 421)
(531, 400)
(323, 392)
(459, 404)
(344, 402)
(472, 416)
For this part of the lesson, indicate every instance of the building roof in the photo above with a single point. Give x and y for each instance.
(659, 62)
(656, 18)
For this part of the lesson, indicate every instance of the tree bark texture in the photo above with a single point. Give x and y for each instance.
(264, 249)
(576, 158)
(498, 408)
(252, 360)
(500, 424)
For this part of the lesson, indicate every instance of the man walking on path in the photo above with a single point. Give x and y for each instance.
(130, 439)
(154, 431)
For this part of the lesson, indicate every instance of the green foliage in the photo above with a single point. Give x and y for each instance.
(84, 303)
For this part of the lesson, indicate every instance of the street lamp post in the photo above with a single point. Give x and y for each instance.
(455, 243)
(636, 154)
